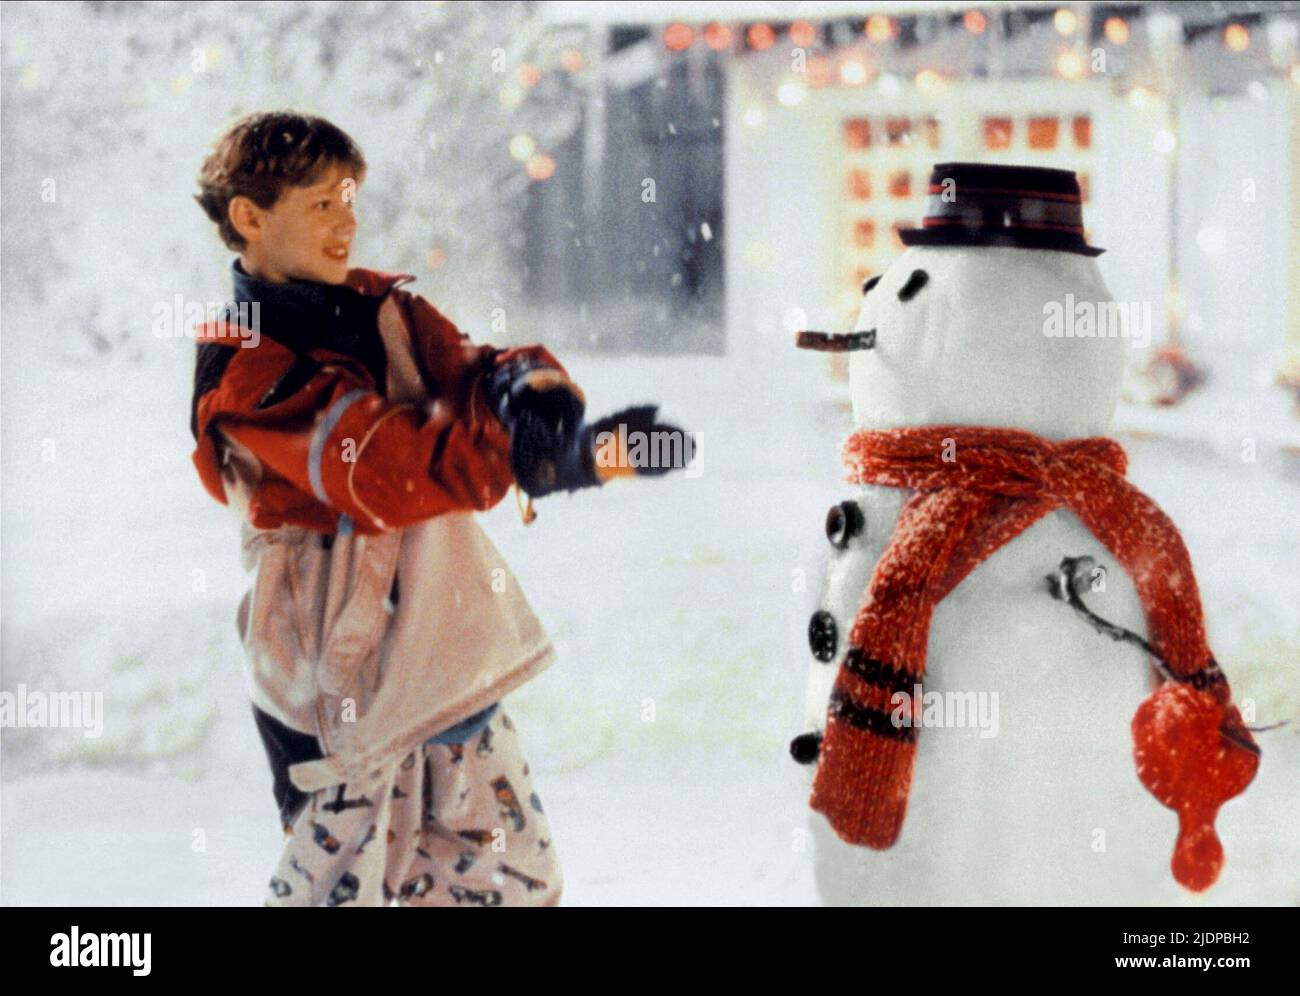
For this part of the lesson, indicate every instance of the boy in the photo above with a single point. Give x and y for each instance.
(354, 430)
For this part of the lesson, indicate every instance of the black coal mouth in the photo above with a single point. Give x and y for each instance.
(835, 342)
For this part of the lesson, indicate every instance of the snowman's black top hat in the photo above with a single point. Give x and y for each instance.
(982, 204)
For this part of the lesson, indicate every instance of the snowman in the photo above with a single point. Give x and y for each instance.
(969, 738)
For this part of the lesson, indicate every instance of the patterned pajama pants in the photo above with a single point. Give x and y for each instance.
(455, 825)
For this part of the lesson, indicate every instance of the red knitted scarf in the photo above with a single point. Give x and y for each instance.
(976, 489)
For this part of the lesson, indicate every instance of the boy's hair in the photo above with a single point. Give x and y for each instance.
(262, 153)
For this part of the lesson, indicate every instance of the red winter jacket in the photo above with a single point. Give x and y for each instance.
(330, 445)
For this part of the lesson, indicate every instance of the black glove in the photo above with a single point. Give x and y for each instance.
(553, 449)
(549, 454)
(632, 442)
(542, 409)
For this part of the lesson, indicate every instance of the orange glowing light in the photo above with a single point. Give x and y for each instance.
(529, 75)
(1116, 30)
(1236, 37)
(571, 60)
(717, 36)
(540, 167)
(975, 22)
(802, 33)
(761, 37)
(880, 28)
(678, 37)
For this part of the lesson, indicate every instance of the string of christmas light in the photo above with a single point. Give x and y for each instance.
(1112, 25)
(840, 49)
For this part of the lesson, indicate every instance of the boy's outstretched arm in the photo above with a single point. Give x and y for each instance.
(318, 427)
(550, 447)
(495, 417)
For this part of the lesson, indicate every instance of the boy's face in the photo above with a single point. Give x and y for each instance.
(306, 234)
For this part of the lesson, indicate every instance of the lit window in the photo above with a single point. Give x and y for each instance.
(857, 133)
(997, 133)
(1043, 132)
(1082, 126)
(860, 185)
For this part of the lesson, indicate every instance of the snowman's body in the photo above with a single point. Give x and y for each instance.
(1049, 809)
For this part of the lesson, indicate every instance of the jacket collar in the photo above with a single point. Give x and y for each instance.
(304, 315)
(375, 283)
(309, 296)
(295, 303)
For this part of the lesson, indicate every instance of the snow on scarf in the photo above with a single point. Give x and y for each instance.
(976, 489)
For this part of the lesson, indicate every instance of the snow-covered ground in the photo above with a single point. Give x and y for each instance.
(121, 576)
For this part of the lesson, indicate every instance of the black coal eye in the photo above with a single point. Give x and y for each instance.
(915, 282)
(871, 282)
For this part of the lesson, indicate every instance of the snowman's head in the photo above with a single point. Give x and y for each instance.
(962, 337)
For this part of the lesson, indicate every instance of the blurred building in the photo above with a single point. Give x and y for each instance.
(626, 237)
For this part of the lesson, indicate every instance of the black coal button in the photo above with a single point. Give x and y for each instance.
(823, 636)
(805, 747)
(843, 522)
